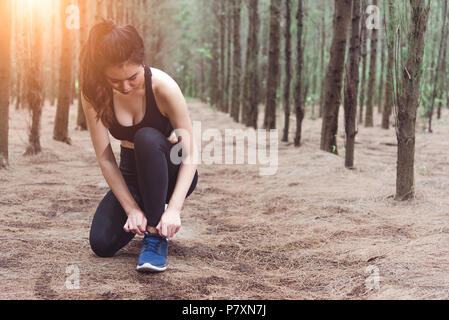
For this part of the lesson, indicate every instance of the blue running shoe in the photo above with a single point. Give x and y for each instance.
(153, 255)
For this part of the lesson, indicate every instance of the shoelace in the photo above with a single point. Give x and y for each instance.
(151, 244)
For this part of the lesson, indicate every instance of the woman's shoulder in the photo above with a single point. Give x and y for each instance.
(162, 80)
(163, 86)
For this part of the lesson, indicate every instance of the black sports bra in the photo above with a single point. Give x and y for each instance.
(152, 118)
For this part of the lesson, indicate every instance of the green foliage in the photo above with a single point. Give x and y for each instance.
(426, 95)
(205, 51)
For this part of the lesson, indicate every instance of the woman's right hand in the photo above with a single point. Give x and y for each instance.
(136, 223)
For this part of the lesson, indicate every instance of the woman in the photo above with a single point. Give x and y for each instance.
(140, 106)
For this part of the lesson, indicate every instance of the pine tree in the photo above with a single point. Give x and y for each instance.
(5, 51)
(334, 75)
(408, 95)
(61, 125)
(273, 65)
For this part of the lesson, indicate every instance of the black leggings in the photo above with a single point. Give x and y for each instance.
(150, 177)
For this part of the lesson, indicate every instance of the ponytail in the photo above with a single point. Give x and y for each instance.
(107, 45)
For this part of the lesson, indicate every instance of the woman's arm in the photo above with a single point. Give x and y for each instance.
(171, 101)
(108, 163)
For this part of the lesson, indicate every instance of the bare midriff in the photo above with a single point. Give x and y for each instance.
(127, 144)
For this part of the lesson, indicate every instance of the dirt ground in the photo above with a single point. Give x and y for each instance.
(314, 230)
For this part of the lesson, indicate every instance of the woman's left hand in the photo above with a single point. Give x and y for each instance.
(170, 223)
(173, 138)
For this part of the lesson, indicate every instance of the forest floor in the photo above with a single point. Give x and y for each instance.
(313, 230)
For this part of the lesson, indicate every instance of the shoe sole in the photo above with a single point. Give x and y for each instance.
(147, 267)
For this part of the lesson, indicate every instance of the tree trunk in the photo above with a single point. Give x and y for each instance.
(248, 63)
(265, 30)
(81, 119)
(54, 53)
(61, 125)
(5, 58)
(19, 93)
(273, 64)
(215, 68)
(437, 79)
(203, 87)
(250, 83)
(145, 31)
(315, 77)
(222, 21)
(117, 9)
(229, 57)
(72, 82)
(25, 61)
(381, 75)
(323, 44)
(99, 10)
(202, 81)
(409, 90)
(334, 75)
(443, 81)
(35, 92)
(299, 110)
(110, 9)
(390, 65)
(352, 85)
(154, 32)
(372, 77)
(20, 57)
(363, 53)
(236, 75)
(288, 73)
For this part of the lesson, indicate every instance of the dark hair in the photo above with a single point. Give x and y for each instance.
(108, 44)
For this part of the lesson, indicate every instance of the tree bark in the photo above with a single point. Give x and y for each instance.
(363, 53)
(100, 10)
(334, 75)
(381, 75)
(110, 9)
(81, 119)
(409, 90)
(236, 72)
(437, 80)
(288, 72)
(299, 110)
(352, 85)
(61, 125)
(443, 82)
(323, 44)
(35, 91)
(19, 56)
(215, 61)
(222, 20)
(154, 25)
(372, 77)
(229, 58)
(5, 58)
(390, 65)
(54, 53)
(273, 65)
(250, 95)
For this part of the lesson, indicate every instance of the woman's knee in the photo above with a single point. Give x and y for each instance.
(100, 246)
(148, 137)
